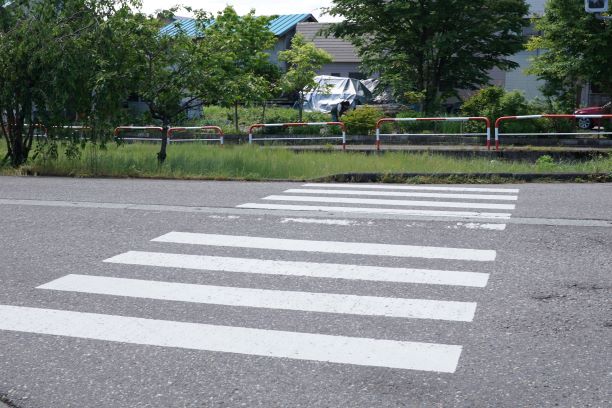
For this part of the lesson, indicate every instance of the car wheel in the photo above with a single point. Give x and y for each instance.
(585, 123)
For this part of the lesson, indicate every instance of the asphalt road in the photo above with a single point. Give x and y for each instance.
(136, 293)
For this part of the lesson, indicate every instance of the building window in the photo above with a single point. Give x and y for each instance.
(595, 89)
(356, 75)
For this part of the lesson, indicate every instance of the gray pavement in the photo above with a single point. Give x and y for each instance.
(540, 335)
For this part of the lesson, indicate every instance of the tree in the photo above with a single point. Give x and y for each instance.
(577, 49)
(432, 46)
(56, 59)
(174, 72)
(240, 44)
(303, 61)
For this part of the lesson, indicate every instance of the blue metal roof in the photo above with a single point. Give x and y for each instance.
(279, 25)
(185, 24)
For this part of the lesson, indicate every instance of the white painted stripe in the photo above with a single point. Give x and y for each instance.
(357, 248)
(268, 299)
(324, 221)
(498, 197)
(475, 225)
(269, 343)
(406, 187)
(369, 210)
(376, 201)
(308, 269)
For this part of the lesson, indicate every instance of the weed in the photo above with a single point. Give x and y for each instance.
(201, 161)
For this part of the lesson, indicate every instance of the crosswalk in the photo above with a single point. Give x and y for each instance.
(271, 343)
(473, 202)
(405, 354)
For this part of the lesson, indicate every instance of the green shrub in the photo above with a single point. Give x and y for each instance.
(537, 106)
(485, 102)
(362, 121)
(545, 162)
(494, 102)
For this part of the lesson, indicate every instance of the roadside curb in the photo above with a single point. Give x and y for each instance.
(466, 177)
(416, 178)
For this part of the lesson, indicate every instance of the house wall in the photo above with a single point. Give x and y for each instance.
(342, 69)
(282, 43)
(345, 63)
(517, 79)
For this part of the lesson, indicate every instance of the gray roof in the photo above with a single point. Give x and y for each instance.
(340, 50)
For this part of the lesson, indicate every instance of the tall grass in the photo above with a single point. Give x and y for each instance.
(198, 161)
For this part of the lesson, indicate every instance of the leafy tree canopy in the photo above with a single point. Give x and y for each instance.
(60, 62)
(241, 63)
(577, 49)
(432, 46)
(303, 61)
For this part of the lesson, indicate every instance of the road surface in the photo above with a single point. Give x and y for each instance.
(148, 293)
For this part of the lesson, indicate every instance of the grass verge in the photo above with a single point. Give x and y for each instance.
(255, 163)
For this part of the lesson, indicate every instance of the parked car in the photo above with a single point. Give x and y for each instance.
(589, 123)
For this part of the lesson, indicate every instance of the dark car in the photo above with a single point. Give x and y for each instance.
(590, 123)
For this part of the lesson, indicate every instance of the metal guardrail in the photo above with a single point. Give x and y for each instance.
(120, 129)
(502, 119)
(217, 129)
(299, 124)
(439, 119)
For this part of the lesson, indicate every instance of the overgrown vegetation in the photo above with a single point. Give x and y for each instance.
(222, 117)
(493, 102)
(99, 54)
(61, 63)
(196, 161)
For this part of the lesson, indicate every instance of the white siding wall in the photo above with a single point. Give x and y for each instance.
(342, 68)
(519, 80)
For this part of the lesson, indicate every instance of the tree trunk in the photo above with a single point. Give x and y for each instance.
(300, 107)
(18, 152)
(578, 98)
(7, 140)
(236, 117)
(17, 146)
(161, 156)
